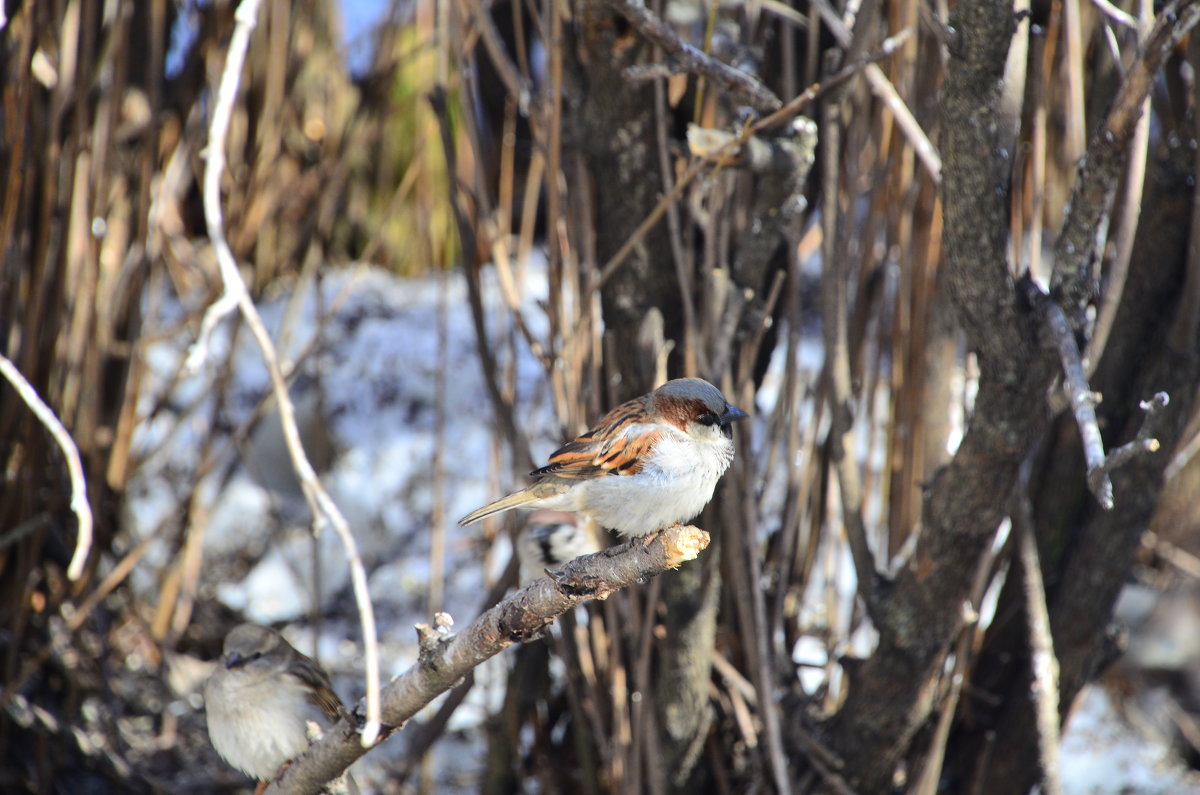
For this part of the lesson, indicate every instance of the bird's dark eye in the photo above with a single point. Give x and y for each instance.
(708, 418)
(256, 656)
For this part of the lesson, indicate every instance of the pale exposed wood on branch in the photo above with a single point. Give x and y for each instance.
(445, 658)
(236, 295)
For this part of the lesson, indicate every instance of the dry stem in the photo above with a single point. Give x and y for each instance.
(79, 500)
(236, 295)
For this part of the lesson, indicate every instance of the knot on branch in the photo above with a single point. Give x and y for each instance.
(430, 639)
(576, 583)
(519, 624)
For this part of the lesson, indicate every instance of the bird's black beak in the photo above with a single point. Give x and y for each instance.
(732, 414)
(234, 660)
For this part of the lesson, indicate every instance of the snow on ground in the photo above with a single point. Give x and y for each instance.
(1101, 755)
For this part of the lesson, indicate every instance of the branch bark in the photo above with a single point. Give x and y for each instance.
(1083, 399)
(734, 80)
(1080, 244)
(892, 694)
(445, 659)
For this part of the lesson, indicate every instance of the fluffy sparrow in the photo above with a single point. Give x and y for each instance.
(650, 463)
(261, 698)
(550, 539)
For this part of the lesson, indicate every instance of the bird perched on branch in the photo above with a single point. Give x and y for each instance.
(650, 463)
(261, 699)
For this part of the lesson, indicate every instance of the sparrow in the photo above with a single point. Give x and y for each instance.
(552, 538)
(650, 463)
(261, 698)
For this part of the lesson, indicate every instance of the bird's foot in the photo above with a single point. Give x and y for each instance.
(648, 539)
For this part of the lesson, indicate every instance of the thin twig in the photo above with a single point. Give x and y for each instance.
(741, 83)
(1115, 14)
(422, 736)
(518, 85)
(1116, 271)
(79, 500)
(1187, 316)
(726, 153)
(835, 305)
(882, 87)
(1083, 399)
(81, 613)
(786, 13)
(1075, 137)
(675, 228)
(425, 734)
(236, 295)
(734, 678)
(1181, 559)
(1143, 442)
(522, 616)
(1092, 194)
(829, 766)
(926, 783)
(764, 673)
(505, 415)
(1043, 662)
(969, 634)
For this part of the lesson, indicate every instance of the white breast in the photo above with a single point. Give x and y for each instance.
(674, 486)
(257, 738)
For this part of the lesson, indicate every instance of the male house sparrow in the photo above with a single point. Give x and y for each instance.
(650, 463)
(261, 698)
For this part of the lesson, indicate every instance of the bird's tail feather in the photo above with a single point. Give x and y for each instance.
(503, 504)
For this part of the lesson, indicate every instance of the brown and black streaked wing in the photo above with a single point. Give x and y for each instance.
(322, 695)
(605, 449)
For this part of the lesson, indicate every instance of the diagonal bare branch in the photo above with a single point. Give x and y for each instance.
(445, 659)
(741, 83)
